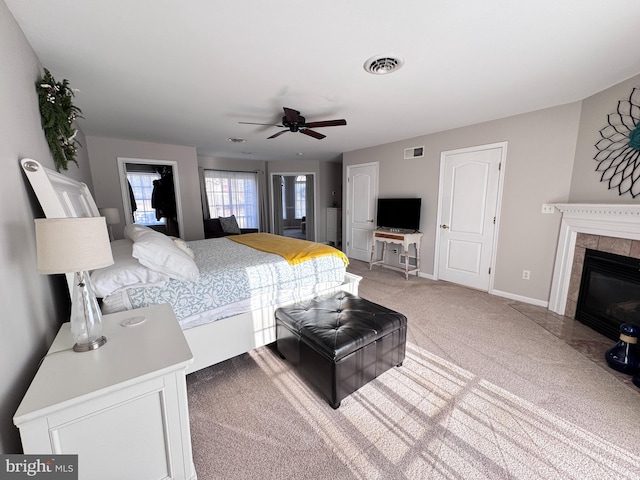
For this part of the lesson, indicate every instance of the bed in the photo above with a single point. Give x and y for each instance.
(228, 308)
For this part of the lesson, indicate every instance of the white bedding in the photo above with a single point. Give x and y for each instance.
(233, 279)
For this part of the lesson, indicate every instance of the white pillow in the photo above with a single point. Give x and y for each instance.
(159, 253)
(133, 229)
(125, 272)
(182, 245)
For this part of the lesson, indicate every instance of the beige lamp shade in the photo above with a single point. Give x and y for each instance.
(111, 214)
(72, 244)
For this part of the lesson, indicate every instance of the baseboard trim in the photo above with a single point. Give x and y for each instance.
(520, 298)
(500, 293)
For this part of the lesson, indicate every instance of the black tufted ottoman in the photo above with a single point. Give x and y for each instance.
(339, 342)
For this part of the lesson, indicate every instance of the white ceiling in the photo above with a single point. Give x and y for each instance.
(187, 71)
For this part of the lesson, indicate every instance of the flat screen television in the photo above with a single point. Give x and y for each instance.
(399, 213)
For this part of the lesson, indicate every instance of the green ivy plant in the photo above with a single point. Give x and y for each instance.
(58, 113)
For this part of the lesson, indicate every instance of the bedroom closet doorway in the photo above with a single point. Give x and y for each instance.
(471, 183)
(151, 194)
(293, 205)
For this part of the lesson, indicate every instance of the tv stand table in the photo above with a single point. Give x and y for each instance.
(399, 237)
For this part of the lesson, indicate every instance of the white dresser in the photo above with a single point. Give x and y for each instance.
(122, 408)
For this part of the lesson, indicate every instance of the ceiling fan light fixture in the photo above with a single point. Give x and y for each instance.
(296, 123)
(383, 64)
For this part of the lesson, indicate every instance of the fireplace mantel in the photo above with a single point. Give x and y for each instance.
(596, 210)
(610, 220)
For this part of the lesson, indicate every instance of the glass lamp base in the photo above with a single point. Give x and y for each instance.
(86, 318)
(86, 347)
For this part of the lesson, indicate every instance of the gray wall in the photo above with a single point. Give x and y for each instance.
(586, 186)
(331, 181)
(549, 160)
(103, 155)
(34, 305)
(233, 164)
(540, 153)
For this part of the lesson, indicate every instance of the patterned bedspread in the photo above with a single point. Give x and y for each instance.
(231, 272)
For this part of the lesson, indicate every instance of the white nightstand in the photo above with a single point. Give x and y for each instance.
(122, 408)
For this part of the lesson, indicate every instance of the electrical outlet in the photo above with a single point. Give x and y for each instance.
(395, 251)
(526, 274)
(547, 208)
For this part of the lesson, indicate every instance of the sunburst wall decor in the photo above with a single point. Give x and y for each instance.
(619, 148)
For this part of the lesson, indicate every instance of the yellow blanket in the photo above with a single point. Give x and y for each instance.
(291, 249)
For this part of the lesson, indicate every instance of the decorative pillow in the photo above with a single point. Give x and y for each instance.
(125, 272)
(159, 253)
(229, 224)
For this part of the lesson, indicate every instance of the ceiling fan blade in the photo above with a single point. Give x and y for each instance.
(327, 123)
(277, 134)
(267, 124)
(313, 134)
(291, 115)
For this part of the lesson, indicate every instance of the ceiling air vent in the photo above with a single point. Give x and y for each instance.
(415, 152)
(383, 64)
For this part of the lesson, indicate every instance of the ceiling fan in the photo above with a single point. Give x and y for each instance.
(294, 122)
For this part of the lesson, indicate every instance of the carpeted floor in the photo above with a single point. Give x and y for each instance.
(294, 233)
(490, 389)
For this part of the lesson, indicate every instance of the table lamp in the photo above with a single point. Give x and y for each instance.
(76, 245)
(112, 215)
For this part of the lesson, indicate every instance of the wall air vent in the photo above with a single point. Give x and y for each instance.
(415, 152)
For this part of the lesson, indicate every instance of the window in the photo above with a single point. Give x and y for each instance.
(233, 193)
(283, 194)
(300, 188)
(142, 186)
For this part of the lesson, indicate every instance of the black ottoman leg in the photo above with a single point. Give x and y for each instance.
(335, 406)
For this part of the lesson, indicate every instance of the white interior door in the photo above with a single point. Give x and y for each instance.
(470, 182)
(362, 192)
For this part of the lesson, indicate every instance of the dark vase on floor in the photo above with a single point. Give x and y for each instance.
(624, 356)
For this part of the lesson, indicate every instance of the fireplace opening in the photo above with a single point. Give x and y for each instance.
(609, 292)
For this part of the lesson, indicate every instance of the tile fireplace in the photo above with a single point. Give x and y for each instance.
(609, 292)
(607, 228)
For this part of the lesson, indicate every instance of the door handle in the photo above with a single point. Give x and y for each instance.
(444, 227)
(370, 220)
